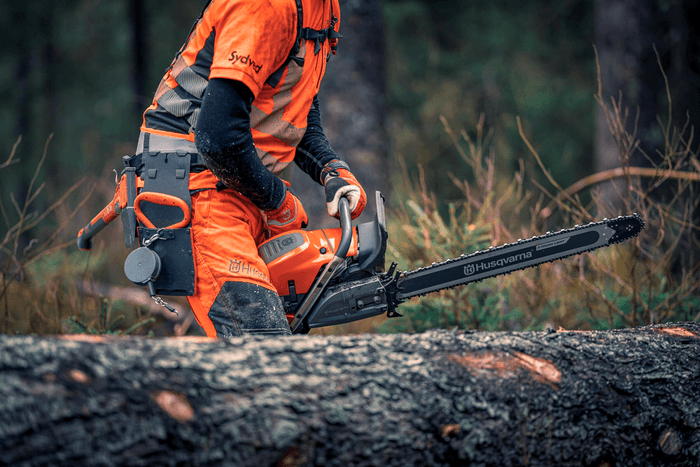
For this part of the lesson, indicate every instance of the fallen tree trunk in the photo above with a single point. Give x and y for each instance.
(624, 397)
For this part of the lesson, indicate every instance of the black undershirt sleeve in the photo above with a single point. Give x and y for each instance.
(225, 142)
(314, 151)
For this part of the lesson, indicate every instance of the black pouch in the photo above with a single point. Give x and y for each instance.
(168, 173)
(174, 248)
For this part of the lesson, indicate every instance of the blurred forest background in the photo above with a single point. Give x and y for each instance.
(476, 120)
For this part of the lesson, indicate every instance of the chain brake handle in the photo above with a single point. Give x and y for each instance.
(161, 199)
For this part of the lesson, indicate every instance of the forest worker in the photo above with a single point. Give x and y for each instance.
(245, 107)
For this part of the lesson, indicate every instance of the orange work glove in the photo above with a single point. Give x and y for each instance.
(290, 215)
(340, 182)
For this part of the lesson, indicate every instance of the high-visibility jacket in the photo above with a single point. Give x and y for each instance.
(248, 41)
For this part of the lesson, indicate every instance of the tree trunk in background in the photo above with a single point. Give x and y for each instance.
(353, 109)
(21, 102)
(22, 24)
(626, 33)
(624, 37)
(623, 398)
(49, 98)
(681, 45)
(139, 48)
(21, 81)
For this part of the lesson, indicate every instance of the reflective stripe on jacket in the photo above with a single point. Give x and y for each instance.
(248, 40)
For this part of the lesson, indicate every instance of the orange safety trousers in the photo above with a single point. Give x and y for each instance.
(233, 291)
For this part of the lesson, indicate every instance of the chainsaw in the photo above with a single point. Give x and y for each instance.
(334, 276)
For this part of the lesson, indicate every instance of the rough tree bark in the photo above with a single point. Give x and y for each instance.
(623, 398)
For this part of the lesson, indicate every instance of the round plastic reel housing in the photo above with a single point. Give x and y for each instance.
(142, 266)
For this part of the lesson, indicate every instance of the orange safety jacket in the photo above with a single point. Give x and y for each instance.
(250, 41)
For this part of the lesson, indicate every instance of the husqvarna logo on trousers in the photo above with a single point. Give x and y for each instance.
(470, 269)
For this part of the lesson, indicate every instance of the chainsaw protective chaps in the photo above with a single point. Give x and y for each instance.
(243, 308)
(233, 293)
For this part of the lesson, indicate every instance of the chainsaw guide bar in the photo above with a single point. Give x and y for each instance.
(515, 256)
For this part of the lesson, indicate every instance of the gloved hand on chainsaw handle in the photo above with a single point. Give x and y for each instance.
(290, 215)
(340, 182)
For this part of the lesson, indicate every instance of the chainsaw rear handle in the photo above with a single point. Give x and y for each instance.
(163, 200)
(99, 222)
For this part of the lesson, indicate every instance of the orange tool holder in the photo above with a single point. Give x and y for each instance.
(144, 265)
(119, 202)
(163, 200)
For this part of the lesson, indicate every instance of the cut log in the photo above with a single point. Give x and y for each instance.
(617, 398)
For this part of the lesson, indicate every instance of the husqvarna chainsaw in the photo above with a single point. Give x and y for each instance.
(334, 276)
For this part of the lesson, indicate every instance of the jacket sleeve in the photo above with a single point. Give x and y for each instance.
(225, 142)
(253, 39)
(314, 151)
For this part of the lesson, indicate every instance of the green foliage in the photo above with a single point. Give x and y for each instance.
(41, 283)
(104, 323)
(68, 68)
(632, 284)
(500, 59)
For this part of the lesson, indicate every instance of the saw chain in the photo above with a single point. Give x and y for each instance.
(512, 257)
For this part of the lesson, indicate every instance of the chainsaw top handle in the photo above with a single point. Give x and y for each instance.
(164, 200)
(326, 275)
(346, 227)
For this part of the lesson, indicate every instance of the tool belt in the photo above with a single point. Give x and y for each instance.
(161, 215)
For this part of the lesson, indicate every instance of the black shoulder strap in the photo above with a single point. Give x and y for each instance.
(321, 36)
(274, 79)
(329, 34)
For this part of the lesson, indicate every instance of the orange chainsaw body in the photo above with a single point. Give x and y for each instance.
(296, 257)
(330, 276)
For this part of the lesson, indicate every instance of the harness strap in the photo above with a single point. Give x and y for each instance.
(274, 79)
(318, 36)
(321, 36)
(154, 142)
(334, 35)
(196, 163)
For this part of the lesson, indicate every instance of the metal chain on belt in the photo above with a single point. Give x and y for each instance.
(157, 236)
